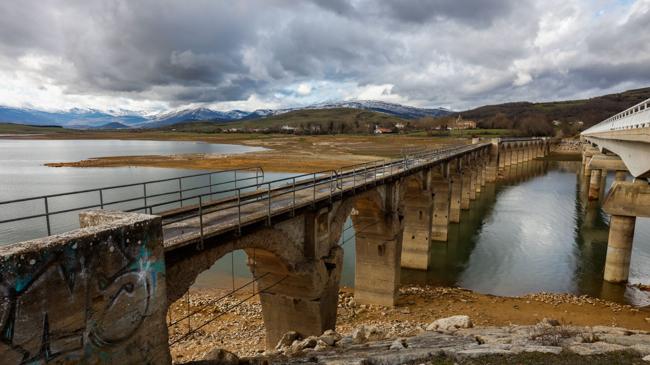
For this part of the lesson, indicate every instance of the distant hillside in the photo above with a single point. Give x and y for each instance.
(12, 128)
(588, 111)
(340, 120)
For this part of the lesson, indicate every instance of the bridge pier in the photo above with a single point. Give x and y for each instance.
(466, 185)
(624, 202)
(507, 156)
(594, 184)
(379, 228)
(493, 163)
(418, 218)
(456, 177)
(441, 203)
(473, 180)
(301, 296)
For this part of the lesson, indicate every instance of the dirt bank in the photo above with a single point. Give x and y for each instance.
(241, 329)
(286, 153)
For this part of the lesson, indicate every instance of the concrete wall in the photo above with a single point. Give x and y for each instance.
(95, 295)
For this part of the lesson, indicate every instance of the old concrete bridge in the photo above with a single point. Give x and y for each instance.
(620, 143)
(99, 294)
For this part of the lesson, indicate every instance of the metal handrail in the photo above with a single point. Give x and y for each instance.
(259, 172)
(637, 116)
(312, 184)
(348, 177)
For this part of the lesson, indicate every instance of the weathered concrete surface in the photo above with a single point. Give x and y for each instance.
(441, 203)
(619, 248)
(594, 184)
(605, 162)
(624, 202)
(418, 211)
(95, 295)
(455, 196)
(302, 298)
(629, 199)
(379, 226)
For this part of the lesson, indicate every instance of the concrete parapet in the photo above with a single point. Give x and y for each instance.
(95, 295)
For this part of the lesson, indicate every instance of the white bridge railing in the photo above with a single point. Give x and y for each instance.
(635, 117)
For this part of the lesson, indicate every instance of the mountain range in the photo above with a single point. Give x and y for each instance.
(90, 118)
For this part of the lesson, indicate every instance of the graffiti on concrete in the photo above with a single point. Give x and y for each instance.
(73, 302)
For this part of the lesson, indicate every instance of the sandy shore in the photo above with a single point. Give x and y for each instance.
(285, 153)
(241, 329)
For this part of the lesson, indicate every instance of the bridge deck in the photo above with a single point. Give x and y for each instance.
(188, 226)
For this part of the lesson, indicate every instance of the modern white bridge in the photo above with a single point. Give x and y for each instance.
(620, 143)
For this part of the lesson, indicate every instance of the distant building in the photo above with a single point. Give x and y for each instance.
(399, 125)
(556, 123)
(460, 123)
(381, 130)
(288, 129)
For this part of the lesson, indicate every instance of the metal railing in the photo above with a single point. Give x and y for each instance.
(144, 196)
(279, 196)
(293, 193)
(635, 117)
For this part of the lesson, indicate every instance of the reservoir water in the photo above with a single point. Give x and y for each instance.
(23, 175)
(532, 231)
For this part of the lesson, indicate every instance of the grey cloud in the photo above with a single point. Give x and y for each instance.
(473, 13)
(450, 52)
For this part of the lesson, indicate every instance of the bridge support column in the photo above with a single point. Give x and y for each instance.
(303, 298)
(619, 248)
(483, 163)
(507, 156)
(441, 189)
(624, 202)
(466, 186)
(456, 177)
(501, 157)
(492, 167)
(474, 178)
(418, 216)
(379, 225)
(594, 184)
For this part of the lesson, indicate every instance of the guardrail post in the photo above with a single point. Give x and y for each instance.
(201, 221)
(144, 190)
(239, 211)
(47, 217)
(101, 199)
(269, 203)
(313, 201)
(180, 190)
(293, 189)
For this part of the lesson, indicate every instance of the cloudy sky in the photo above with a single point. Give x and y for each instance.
(151, 55)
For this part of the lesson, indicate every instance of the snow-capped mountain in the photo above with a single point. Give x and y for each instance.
(398, 110)
(90, 118)
(76, 117)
